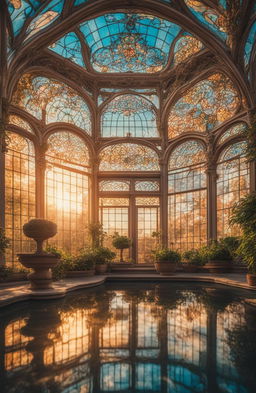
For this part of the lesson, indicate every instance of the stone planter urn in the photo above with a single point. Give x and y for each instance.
(41, 262)
(101, 268)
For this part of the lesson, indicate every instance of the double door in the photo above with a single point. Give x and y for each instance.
(135, 217)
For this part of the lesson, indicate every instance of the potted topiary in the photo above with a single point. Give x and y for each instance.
(102, 256)
(166, 261)
(121, 243)
(219, 258)
(192, 261)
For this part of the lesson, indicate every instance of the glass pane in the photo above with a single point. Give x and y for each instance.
(19, 194)
(148, 222)
(149, 186)
(129, 115)
(67, 204)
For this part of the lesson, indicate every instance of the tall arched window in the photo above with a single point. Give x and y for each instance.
(68, 189)
(19, 193)
(129, 115)
(232, 184)
(187, 196)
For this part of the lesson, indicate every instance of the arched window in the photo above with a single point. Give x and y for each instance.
(232, 184)
(204, 107)
(50, 99)
(236, 129)
(68, 189)
(187, 196)
(19, 193)
(128, 157)
(129, 115)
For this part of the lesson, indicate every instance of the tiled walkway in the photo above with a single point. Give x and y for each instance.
(16, 292)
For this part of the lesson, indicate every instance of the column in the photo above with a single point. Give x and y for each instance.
(40, 180)
(211, 173)
(164, 203)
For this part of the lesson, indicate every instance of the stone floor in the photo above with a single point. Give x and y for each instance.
(16, 292)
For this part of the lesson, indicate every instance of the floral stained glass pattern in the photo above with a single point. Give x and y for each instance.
(129, 42)
(215, 20)
(67, 149)
(114, 185)
(251, 39)
(128, 157)
(186, 154)
(69, 47)
(19, 122)
(149, 186)
(205, 106)
(234, 130)
(46, 16)
(185, 47)
(20, 10)
(129, 115)
(44, 97)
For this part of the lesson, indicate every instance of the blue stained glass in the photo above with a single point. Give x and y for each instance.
(249, 44)
(69, 47)
(20, 11)
(129, 42)
(208, 17)
(47, 16)
(78, 2)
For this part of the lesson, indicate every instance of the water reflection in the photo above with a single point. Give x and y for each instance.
(155, 338)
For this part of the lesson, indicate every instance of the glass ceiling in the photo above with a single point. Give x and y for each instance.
(129, 42)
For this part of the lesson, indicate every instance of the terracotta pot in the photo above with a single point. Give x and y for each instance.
(80, 273)
(101, 269)
(251, 279)
(214, 266)
(190, 268)
(165, 268)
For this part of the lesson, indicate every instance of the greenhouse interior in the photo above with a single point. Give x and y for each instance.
(128, 196)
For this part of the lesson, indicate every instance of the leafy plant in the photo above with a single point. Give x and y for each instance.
(121, 243)
(244, 213)
(167, 255)
(218, 251)
(247, 251)
(96, 234)
(231, 243)
(103, 255)
(84, 261)
(193, 257)
(5, 242)
(65, 263)
(250, 135)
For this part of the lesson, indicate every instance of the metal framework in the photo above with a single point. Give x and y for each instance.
(53, 65)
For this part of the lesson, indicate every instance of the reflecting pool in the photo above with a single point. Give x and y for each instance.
(129, 338)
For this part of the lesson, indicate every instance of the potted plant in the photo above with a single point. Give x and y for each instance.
(121, 243)
(102, 256)
(219, 258)
(65, 262)
(193, 260)
(166, 261)
(83, 265)
(244, 215)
